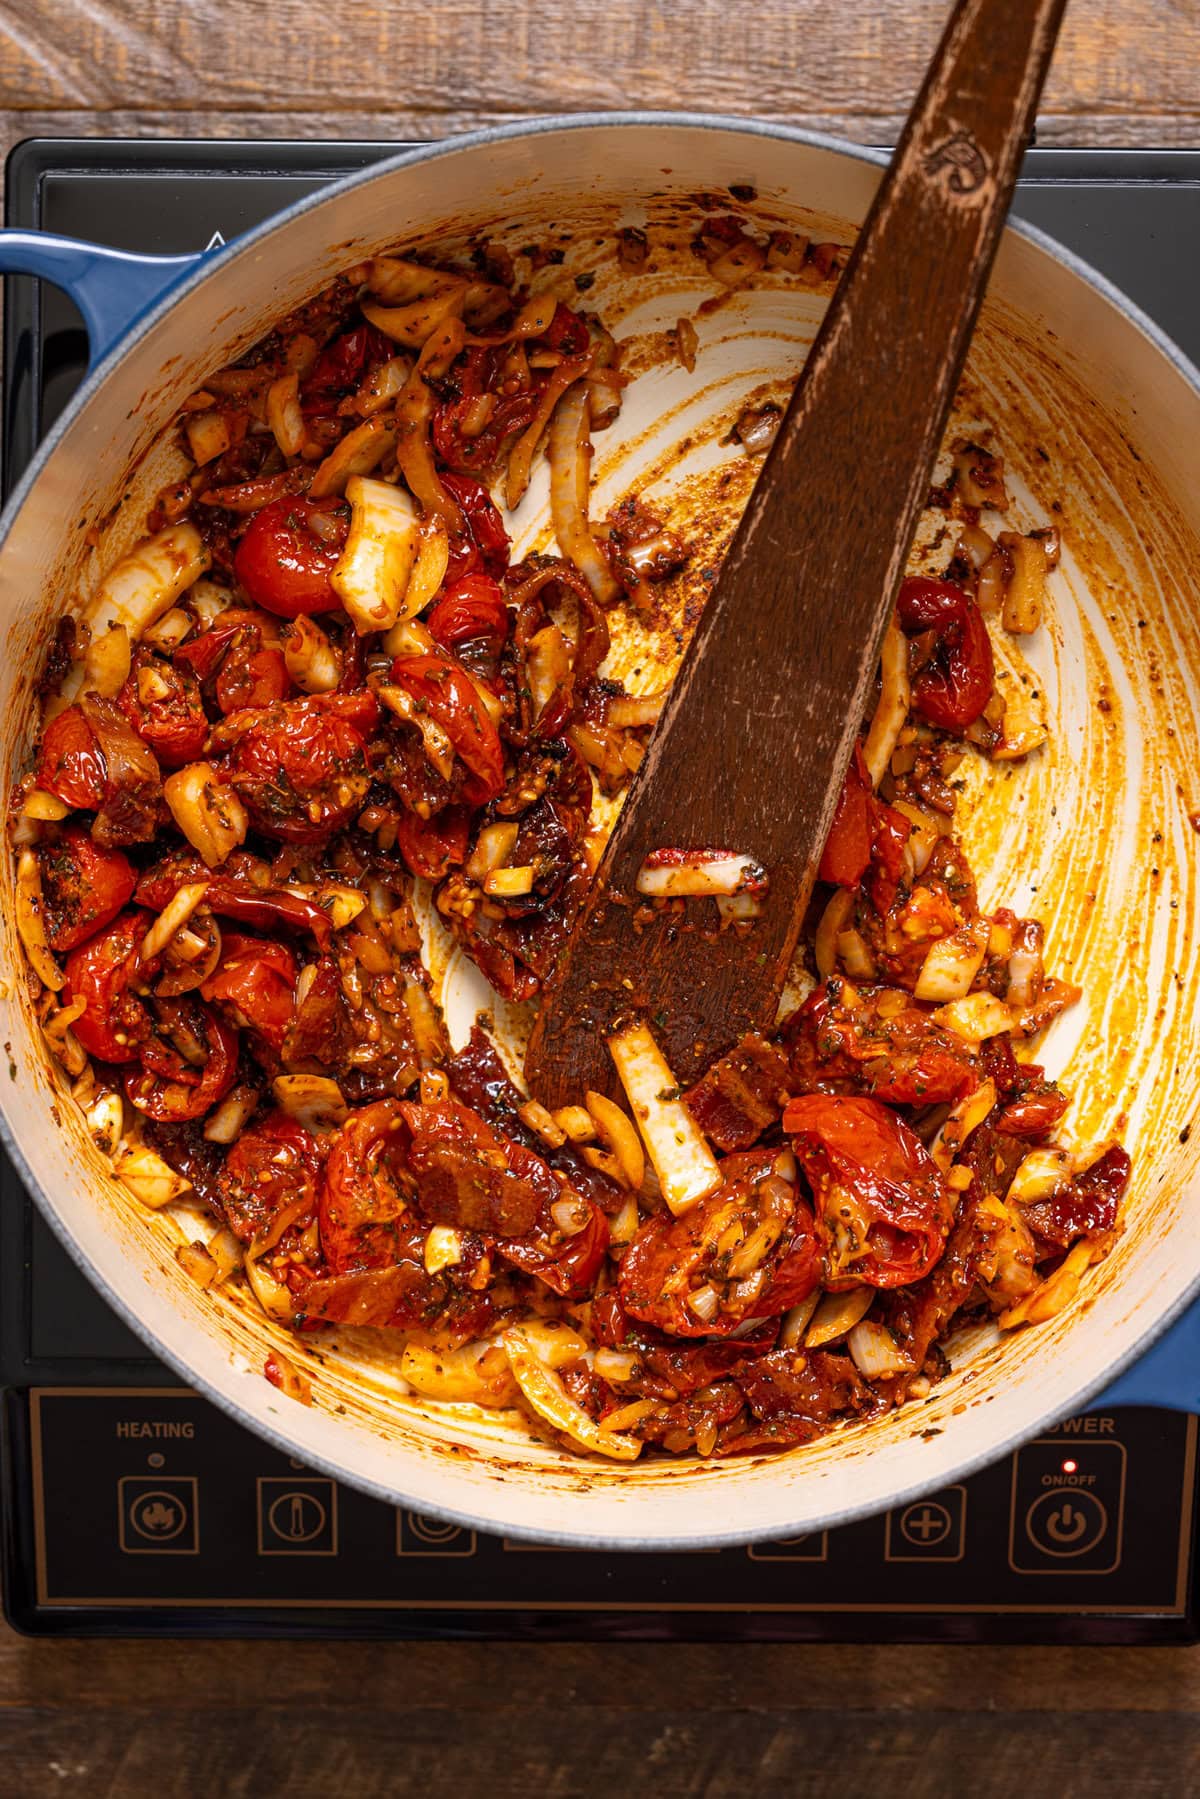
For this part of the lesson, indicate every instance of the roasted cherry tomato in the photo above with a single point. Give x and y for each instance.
(83, 886)
(848, 847)
(258, 678)
(284, 564)
(566, 332)
(469, 1176)
(668, 1365)
(1088, 1207)
(257, 981)
(366, 1189)
(450, 697)
(461, 445)
(398, 1293)
(341, 366)
(884, 1045)
(865, 833)
(248, 671)
(115, 1022)
(172, 1089)
(269, 1178)
(747, 1251)
(433, 846)
(233, 894)
(566, 1264)
(796, 1398)
(1029, 1105)
(486, 540)
(71, 763)
(882, 1207)
(956, 683)
(162, 702)
(300, 768)
(472, 611)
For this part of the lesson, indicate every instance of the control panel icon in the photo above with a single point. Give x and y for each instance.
(418, 1535)
(1066, 1524)
(157, 1515)
(928, 1530)
(1068, 1499)
(811, 1548)
(297, 1516)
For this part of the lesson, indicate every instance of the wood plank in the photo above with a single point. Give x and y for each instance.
(579, 1748)
(221, 1678)
(821, 59)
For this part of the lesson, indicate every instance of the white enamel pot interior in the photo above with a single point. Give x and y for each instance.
(1095, 417)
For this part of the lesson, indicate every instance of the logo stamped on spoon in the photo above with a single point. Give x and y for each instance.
(960, 161)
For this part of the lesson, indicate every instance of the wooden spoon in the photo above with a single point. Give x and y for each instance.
(751, 751)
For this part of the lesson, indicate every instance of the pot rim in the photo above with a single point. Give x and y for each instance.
(550, 124)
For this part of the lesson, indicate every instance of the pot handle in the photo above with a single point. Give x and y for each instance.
(1168, 1375)
(111, 288)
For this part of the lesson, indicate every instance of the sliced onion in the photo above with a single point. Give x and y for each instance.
(172, 918)
(757, 428)
(629, 711)
(875, 1352)
(151, 1180)
(147, 582)
(796, 1321)
(105, 1119)
(413, 324)
(1043, 1173)
(284, 415)
(520, 461)
(545, 1394)
(476, 1374)
(274, 1298)
(443, 1248)
(30, 923)
(1055, 1292)
(617, 1131)
(312, 662)
(832, 924)
(209, 814)
(966, 1117)
(978, 1016)
(686, 1168)
(314, 1100)
(569, 453)
(895, 697)
(616, 1365)
(224, 1125)
(951, 963)
(673, 874)
(836, 1314)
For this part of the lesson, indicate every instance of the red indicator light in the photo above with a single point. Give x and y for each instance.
(1069, 1467)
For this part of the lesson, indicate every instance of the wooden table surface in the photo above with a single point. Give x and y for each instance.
(264, 1718)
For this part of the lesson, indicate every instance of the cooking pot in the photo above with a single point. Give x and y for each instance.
(1097, 416)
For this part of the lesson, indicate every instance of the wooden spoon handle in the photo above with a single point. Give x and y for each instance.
(752, 747)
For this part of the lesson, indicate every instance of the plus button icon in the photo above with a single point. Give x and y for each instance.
(925, 1524)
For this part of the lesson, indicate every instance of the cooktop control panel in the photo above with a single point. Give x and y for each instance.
(149, 1500)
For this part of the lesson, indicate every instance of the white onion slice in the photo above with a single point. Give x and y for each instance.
(686, 1168)
(678, 874)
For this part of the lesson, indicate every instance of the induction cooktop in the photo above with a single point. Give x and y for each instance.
(133, 1507)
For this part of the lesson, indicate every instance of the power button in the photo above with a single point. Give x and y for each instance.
(1066, 1524)
(1068, 1498)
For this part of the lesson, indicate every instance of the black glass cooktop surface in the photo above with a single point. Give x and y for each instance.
(132, 1506)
